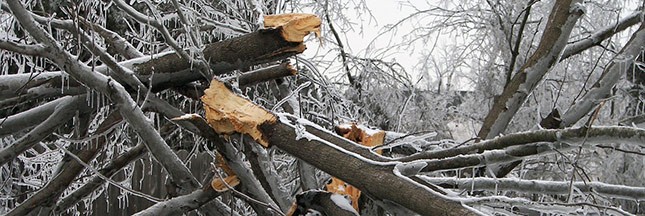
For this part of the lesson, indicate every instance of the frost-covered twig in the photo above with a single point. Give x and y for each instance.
(154, 23)
(108, 170)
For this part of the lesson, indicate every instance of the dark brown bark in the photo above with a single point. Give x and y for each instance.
(265, 74)
(237, 53)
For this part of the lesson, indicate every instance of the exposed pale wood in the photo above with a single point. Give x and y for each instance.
(294, 26)
(360, 136)
(229, 113)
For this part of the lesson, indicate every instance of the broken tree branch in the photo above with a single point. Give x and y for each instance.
(229, 113)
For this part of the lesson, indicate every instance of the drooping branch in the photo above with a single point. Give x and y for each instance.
(600, 91)
(538, 186)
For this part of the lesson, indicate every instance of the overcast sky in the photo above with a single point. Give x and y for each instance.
(366, 29)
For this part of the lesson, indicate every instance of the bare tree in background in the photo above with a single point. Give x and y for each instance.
(96, 102)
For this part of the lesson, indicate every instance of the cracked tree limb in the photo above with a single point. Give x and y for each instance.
(378, 180)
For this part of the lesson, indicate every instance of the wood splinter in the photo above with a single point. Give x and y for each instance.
(361, 135)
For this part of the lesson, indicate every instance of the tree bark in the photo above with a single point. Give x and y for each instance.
(562, 19)
(377, 180)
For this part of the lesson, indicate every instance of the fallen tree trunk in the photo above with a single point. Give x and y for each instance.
(228, 113)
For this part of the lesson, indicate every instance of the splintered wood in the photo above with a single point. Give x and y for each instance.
(294, 26)
(365, 137)
(228, 113)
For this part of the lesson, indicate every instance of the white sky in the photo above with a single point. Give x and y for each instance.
(366, 29)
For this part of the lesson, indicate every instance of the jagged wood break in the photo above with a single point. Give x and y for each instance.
(229, 113)
(365, 137)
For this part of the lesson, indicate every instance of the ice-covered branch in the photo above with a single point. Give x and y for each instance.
(596, 135)
(539, 186)
(28, 118)
(264, 74)
(554, 39)
(120, 44)
(154, 22)
(514, 147)
(108, 170)
(47, 196)
(600, 35)
(610, 76)
(62, 112)
(179, 205)
(129, 110)
(33, 50)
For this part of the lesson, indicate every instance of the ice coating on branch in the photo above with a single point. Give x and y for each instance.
(578, 8)
(343, 203)
(411, 168)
